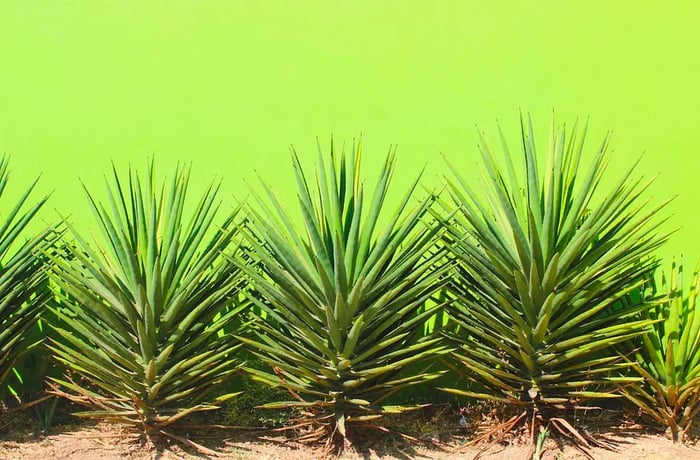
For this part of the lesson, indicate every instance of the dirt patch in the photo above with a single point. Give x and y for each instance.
(109, 442)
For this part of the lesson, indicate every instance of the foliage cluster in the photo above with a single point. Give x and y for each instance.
(530, 288)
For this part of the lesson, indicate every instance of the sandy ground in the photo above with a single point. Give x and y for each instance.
(105, 442)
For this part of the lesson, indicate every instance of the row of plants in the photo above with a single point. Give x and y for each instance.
(532, 287)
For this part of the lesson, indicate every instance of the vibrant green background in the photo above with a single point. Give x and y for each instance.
(230, 84)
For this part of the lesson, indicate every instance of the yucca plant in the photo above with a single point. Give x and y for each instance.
(541, 264)
(143, 308)
(22, 275)
(343, 300)
(669, 357)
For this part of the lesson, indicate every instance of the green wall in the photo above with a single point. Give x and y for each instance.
(230, 84)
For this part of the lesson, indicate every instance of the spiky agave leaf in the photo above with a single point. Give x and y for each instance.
(343, 298)
(22, 275)
(142, 309)
(669, 357)
(541, 263)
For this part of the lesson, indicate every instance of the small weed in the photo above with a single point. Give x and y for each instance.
(539, 446)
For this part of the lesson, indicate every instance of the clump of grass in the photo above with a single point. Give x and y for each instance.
(245, 410)
(432, 424)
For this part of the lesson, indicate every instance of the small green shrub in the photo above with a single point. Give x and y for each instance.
(543, 255)
(143, 310)
(668, 357)
(343, 298)
(23, 281)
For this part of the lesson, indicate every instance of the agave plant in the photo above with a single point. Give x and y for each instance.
(540, 269)
(22, 275)
(669, 357)
(343, 302)
(143, 309)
